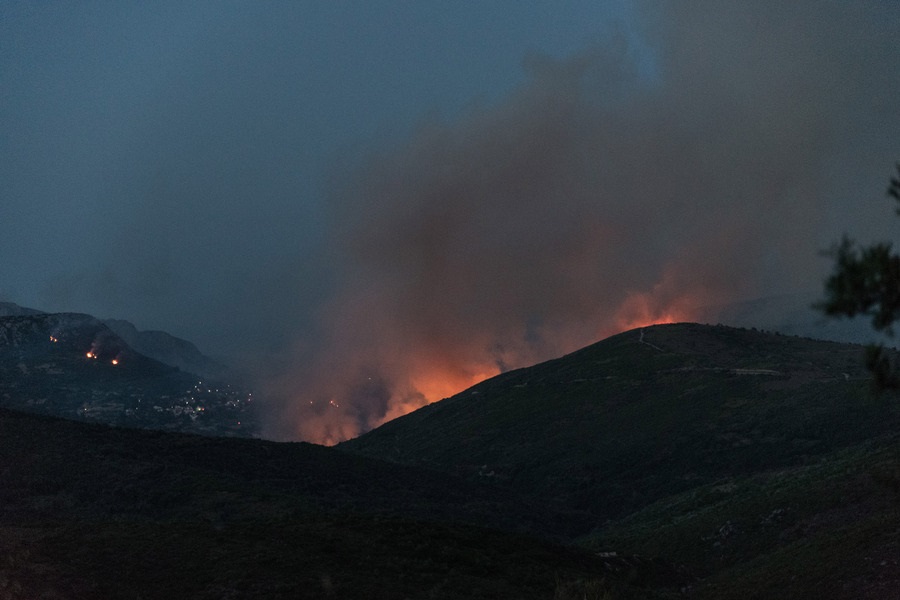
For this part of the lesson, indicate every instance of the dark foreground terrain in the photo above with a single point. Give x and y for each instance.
(681, 461)
(91, 511)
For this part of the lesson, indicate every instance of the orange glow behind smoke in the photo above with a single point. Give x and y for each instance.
(639, 311)
(671, 300)
(421, 371)
(439, 383)
(428, 380)
(435, 383)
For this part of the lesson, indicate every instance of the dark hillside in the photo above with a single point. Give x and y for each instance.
(112, 473)
(90, 511)
(727, 450)
(168, 349)
(643, 414)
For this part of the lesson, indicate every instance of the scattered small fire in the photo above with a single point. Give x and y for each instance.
(115, 361)
(91, 355)
(54, 339)
(645, 309)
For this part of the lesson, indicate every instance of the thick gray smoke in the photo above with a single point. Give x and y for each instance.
(603, 194)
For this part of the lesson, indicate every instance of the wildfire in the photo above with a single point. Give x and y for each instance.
(648, 319)
(435, 380)
(436, 363)
(91, 355)
(645, 309)
(115, 361)
(54, 339)
(437, 384)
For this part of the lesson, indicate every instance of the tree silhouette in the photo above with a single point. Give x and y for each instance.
(866, 281)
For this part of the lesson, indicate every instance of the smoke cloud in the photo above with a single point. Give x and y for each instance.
(605, 193)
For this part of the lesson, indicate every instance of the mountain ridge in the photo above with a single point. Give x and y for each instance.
(724, 447)
(158, 345)
(73, 365)
(621, 368)
(168, 349)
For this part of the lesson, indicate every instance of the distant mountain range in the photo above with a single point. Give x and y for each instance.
(79, 367)
(168, 349)
(8, 309)
(159, 345)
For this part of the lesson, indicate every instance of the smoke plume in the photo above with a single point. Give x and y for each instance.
(608, 192)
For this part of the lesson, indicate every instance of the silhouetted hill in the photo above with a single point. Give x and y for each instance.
(72, 365)
(168, 349)
(158, 345)
(711, 444)
(8, 309)
(90, 511)
(642, 411)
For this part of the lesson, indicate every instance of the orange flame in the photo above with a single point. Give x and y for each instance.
(676, 298)
(433, 384)
(421, 371)
(437, 383)
(640, 310)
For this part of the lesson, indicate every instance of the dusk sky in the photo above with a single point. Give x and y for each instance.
(386, 201)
